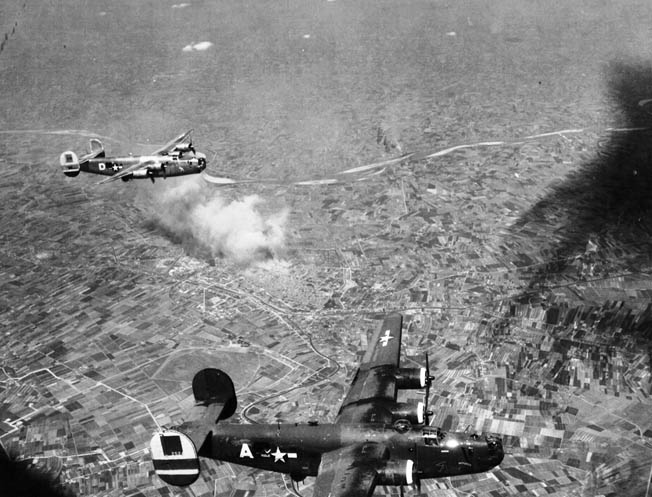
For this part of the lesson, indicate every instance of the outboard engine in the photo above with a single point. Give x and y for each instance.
(411, 378)
(69, 163)
(185, 147)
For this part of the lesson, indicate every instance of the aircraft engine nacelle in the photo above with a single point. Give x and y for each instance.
(140, 173)
(397, 473)
(414, 413)
(411, 378)
(69, 163)
(158, 166)
(183, 147)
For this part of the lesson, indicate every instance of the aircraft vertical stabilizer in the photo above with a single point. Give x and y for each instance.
(174, 457)
(175, 454)
(96, 148)
(69, 163)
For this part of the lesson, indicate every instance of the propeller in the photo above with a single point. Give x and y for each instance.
(429, 379)
(416, 484)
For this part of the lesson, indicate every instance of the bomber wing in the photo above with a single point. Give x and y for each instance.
(350, 471)
(375, 381)
(169, 146)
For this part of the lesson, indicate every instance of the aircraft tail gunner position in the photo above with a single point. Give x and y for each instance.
(176, 158)
(374, 441)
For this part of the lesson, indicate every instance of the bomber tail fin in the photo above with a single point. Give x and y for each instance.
(214, 389)
(174, 457)
(96, 149)
(175, 454)
(71, 164)
(214, 400)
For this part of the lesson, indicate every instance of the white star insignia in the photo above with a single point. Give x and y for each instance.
(278, 455)
(386, 338)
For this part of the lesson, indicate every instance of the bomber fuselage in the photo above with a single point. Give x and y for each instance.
(159, 165)
(296, 449)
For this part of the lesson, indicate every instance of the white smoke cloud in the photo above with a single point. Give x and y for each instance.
(192, 214)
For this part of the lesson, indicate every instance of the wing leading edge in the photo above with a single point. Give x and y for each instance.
(169, 146)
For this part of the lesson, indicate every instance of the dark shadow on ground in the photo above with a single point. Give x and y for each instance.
(610, 196)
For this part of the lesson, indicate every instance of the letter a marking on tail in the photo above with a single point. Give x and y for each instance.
(245, 451)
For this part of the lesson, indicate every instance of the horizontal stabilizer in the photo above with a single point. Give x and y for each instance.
(174, 457)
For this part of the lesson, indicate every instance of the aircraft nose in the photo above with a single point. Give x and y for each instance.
(202, 160)
(495, 451)
(488, 452)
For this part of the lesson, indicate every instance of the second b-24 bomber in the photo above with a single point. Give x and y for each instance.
(176, 158)
(374, 440)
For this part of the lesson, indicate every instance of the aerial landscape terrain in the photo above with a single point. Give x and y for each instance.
(483, 167)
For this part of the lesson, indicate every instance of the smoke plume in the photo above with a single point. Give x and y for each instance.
(191, 214)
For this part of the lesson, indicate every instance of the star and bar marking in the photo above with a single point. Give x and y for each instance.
(386, 338)
(279, 456)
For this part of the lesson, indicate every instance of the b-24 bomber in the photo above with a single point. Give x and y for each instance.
(374, 440)
(176, 158)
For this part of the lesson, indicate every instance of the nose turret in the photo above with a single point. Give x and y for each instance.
(201, 159)
(490, 453)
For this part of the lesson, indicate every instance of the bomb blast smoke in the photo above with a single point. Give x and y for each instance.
(192, 214)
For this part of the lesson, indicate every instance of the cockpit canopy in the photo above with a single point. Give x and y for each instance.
(432, 436)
